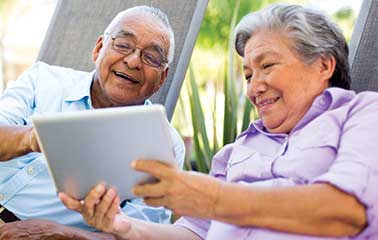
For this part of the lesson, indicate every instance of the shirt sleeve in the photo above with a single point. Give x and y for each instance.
(355, 170)
(198, 226)
(136, 208)
(178, 146)
(18, 100)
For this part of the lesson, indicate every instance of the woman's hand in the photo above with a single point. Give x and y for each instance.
(186, 193)
(100, 209)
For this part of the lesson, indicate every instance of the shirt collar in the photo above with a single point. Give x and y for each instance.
(258, 127)
(76, 89)
(331, 98)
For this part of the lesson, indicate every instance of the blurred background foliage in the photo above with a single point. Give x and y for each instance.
(212, 108)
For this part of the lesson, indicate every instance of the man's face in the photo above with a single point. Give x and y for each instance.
(126, 79)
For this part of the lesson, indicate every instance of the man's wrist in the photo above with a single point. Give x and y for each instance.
(26, 140)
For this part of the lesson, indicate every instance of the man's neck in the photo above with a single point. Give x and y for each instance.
(99, 100)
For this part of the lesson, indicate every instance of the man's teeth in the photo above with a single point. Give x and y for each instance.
(125, 76)
(121, 74)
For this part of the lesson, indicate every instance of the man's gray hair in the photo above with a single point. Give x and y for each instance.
(154, 12)
(311, 34)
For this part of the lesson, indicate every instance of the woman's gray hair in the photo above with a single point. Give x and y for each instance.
(311, 34)
(154, 12)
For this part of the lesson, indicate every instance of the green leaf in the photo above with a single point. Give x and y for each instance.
(231, 98)
(198, 121)
(246, 114)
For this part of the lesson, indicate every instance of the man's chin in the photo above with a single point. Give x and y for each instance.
(120, 102)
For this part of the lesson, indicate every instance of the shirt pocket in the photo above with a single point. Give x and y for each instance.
(317, 141)
(319, 135)
(312, 155)
(245, 164)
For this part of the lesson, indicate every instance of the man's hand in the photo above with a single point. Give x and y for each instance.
(100, 209)
(32, 140)
(186, 193)
(34, 229)
(16, 141)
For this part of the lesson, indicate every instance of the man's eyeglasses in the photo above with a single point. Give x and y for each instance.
(151, 56)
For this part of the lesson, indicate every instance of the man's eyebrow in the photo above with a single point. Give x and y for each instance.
(158, 48)
(124, 33)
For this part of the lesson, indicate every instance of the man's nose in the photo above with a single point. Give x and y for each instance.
(133, 60)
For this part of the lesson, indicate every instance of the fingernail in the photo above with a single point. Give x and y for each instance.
(99, 188)
(133, 164)
(111, 193)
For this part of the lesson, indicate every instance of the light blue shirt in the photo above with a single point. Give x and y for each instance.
(26, 187)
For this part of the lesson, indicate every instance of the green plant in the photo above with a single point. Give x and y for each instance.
(235, 106)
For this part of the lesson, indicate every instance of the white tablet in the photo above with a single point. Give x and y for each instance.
(86, 147)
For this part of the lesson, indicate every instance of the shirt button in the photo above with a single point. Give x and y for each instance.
(30, 170)
(322, 102)
(1, 197)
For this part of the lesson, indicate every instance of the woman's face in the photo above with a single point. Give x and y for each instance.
(279, 83)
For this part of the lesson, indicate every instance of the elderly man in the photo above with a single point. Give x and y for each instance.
(132, 60)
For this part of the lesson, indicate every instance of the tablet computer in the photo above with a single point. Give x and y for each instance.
(86, 147)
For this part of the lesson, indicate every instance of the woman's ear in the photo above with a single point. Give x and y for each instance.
(97, 48)
(327, 66)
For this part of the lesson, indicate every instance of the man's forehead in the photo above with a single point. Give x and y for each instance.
(141, 18)
(137, 26)
(139, 23)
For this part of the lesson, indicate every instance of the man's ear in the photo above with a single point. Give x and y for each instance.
(164, 75)
(327, 66)
(97, 48)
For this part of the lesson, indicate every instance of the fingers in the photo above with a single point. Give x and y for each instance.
(153, 167)
(70, 203)
(149, 190)
(109, 218)
(92, 198)
(103, 207)
(99, 208)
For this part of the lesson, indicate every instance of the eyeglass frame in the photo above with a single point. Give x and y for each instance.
(162, 65)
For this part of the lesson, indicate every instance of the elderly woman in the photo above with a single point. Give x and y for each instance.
(307, 169)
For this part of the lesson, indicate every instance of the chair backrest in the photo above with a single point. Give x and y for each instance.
(76, 24)
(363, 56)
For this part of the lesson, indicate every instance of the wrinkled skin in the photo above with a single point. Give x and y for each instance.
(34, 229)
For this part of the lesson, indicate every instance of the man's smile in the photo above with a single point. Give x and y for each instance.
(126, 78)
